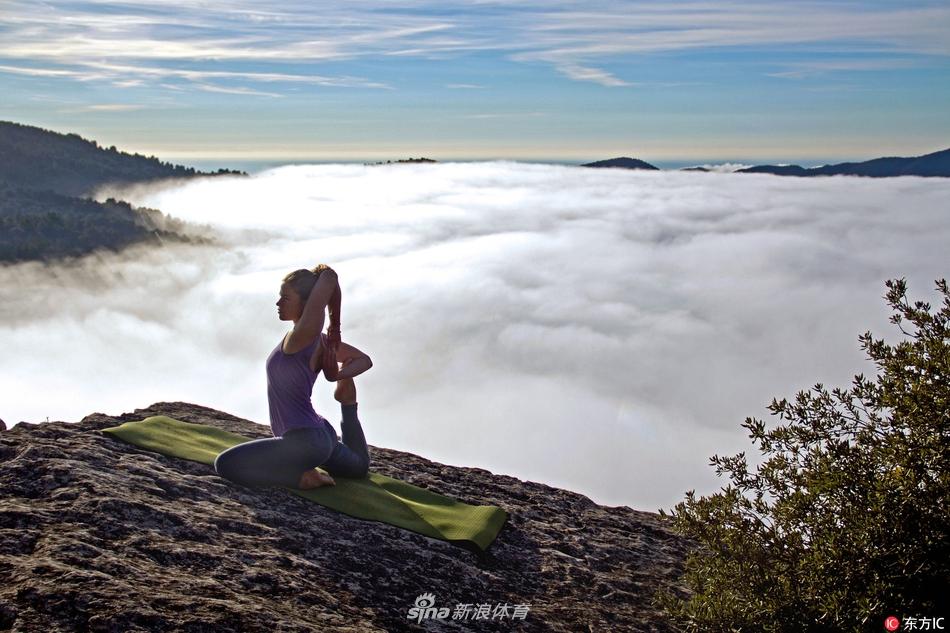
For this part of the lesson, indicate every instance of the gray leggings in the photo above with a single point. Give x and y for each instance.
(279, 461)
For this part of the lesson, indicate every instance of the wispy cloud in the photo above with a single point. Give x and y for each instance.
(204, 75)
(222, 34)
(235, 90)
(135, 76)
(612, 29)
(46, 72)
(576, 41)
(502, 115)
(584, 73)
(801, 70)
(113, 107)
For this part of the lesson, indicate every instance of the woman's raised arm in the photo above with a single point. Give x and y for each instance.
(333, 330)
(310, 324)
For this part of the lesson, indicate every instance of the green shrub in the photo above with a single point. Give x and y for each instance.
(844, 520)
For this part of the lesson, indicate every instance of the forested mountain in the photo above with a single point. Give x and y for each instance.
(624, 162)
(43, 225)
(935, 164)
(42, 173)
(34, 158)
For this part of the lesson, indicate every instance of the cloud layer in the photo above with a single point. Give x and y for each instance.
(601, 330)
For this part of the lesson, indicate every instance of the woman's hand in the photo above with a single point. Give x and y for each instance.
(328, 362)
(334, 337)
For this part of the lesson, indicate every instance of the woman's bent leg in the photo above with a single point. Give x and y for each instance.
(351, 458)
(276, 461)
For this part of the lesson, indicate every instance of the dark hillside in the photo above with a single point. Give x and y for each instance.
(624, 162)
(936, 164)
(34, 158)
(40, 225)
(42, 217)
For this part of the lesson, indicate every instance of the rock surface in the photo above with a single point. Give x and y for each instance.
(100, 535)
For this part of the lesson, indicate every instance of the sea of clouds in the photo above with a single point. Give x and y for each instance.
(605, 331)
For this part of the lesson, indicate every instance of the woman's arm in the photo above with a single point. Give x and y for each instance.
(311, 321)
(333, 330)
(355, 362)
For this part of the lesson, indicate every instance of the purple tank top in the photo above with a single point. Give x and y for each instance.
(289, 389)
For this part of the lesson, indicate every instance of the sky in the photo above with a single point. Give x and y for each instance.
(602, 331)
(241, 82)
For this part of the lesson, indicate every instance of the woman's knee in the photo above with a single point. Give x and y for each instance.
(357, 472)
(351, 469)
(224, 464)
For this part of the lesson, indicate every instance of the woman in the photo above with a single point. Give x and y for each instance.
(302, 439)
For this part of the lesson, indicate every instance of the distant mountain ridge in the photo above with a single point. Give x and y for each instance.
(39, 159)
(624, 162)
(936, 164)
(44, 214)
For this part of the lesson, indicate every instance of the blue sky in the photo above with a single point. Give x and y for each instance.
(234, 81)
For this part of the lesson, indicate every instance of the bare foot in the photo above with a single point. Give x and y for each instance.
(315, 479)
(345, 391)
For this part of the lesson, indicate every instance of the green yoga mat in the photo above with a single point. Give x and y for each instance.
(377, 498)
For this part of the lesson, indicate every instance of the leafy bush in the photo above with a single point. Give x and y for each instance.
(844, 522)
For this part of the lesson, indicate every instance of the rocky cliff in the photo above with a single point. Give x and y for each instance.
(100, 535)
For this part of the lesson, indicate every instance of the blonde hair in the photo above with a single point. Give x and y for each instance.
(303, 280)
